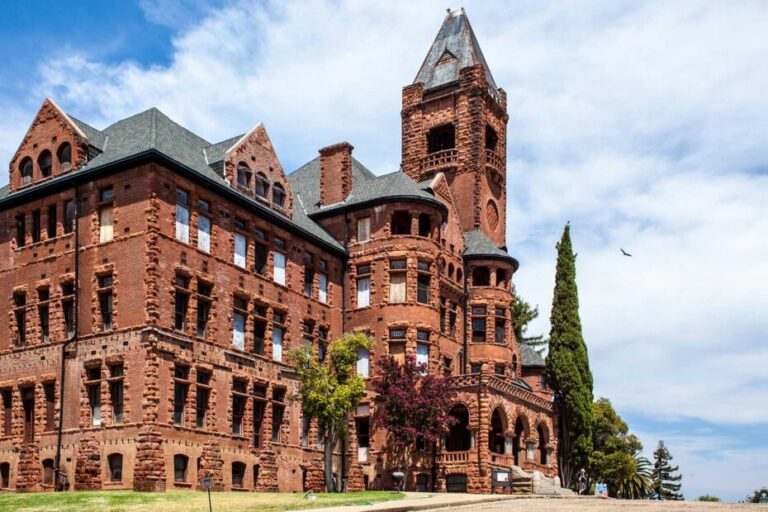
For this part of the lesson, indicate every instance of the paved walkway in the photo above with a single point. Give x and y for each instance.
(422, 501)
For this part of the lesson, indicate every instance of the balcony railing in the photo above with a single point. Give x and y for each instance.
(492, 159)
(454, 456)
(439, 159)
(502, 460)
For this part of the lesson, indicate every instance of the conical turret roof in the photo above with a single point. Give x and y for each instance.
(454, 48)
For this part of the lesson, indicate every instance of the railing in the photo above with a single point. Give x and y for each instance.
(439, 159)
(492, 159)
(454, 456)
(502, 460)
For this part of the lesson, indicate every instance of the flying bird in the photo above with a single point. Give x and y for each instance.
(625, 253)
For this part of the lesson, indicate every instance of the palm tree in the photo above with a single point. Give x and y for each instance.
(636, 484)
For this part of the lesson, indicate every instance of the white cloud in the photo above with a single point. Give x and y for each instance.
(641, 123)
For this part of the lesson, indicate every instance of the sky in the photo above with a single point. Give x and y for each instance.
(643, 124)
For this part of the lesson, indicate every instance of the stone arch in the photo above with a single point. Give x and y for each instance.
(521, 431)
(542, 447)
(459, 438)
(497, 427)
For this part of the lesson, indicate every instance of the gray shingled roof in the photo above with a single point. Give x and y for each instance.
(530, 358)
(454, 48)
(153, 130)
(215, 152)
(4, 191)
(366, 186)
(96, 138)
(480, 246)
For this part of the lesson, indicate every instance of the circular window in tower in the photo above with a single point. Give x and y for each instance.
(492, 215)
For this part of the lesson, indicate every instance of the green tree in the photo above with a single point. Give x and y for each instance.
(708, 497)
(329, 390)
(759, 496)
(522, 315)
(568, 366)
(615, 457)
(666, 484)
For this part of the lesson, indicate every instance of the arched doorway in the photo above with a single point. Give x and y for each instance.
(496, 435)
(459, 438)
(543, 441)
(517, 446)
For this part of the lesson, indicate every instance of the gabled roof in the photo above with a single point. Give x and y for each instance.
(454, 48)
(530, 358)
(150, 133)
(366, 188)
(480, 246)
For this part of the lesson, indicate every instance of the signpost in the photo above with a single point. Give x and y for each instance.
(501, 479)
(206, 483)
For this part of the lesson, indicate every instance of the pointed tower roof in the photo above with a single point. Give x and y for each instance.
(454, 48)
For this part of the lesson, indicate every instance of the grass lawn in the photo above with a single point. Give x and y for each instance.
(180, 501)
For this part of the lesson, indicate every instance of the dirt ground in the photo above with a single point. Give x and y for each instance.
(607, 505)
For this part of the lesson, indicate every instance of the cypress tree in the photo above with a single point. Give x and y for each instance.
(568, 366)
(666, 481)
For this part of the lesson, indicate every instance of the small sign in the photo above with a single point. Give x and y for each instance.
(501, 479)
(207, 483)
(601, 490)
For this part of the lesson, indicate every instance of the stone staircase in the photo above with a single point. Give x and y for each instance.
(537, 484)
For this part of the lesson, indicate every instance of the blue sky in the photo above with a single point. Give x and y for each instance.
(641, 123)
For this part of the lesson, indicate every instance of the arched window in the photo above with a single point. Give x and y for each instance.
(64, 154)
(262, 185)
(48, 472)
(544, 459)
(496, 435)
(115, 463)
(238, 474)
(180, 463)
(26, 169)
(401, 223)
(459, 438)
(278, 195)
(501, 278)
(481, 276)
(451, 270)
(243, 175)
(459, 275)
(45, 162)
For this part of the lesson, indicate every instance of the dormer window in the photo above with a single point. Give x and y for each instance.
(243, 176)
(45, 162)
(262, 185)
(64, 154)
(278, 195)
(25, 168)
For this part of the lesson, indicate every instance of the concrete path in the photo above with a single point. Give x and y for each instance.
(421, 501)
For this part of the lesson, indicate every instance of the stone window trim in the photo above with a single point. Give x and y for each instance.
(105, 367)
(104, 282)
(20, 313)
(479, 314)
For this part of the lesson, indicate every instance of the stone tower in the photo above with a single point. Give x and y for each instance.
(455, 122)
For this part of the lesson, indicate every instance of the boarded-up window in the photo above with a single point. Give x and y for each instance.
(105, 224)
(279, 271)
(182, 223)
(241, 250)
(397, 283)
(397, 350)
(364, 229)
(363, 292)
(363, 362)
(204, 233)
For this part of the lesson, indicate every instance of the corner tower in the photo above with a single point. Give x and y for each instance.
(454, 120)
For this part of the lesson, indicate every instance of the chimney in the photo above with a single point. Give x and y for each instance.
(335, 173)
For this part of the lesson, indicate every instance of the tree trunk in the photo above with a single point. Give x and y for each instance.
(434, 465)
(328, 460)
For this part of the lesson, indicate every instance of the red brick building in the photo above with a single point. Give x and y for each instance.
(155, 283)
